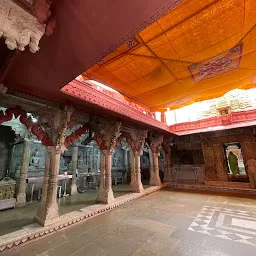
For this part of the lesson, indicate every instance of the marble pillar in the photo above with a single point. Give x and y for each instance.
(21, 194)
(125, 164)
(155, 181)
(74, 168)
(46, 175)
(137, 186)
(106, 195)
(48, 211)
(101, 192)
(151, 167)
(132, 167)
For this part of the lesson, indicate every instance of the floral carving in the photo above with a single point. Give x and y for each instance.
(106, 133)
(155, 142)
(19, 27)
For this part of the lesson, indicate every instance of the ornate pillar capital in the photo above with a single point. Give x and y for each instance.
(138, 138)
(156, 142)
(19, 27)
(106, 133)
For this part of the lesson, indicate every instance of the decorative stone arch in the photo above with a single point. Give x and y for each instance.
(76, 134)
(34, 128)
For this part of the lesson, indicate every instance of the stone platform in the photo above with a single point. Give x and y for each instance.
(216, 187)
(35, 231)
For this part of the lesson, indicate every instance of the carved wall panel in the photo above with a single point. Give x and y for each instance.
(209, 159)
(213, 148)
(220, 163)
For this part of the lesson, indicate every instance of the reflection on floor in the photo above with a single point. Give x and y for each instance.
(13, 219)
(157, 224)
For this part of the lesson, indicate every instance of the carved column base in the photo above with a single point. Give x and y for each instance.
(155, 181)
(21, 199)
(73, 189)
(136, 187)
(47, 215)
(105, 196)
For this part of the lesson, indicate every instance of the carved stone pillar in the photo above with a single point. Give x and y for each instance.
(132, 167)
(220, 162)
(156, 181)
(137, 186)
(125, 164)
(46, 175)
(137, 140)
(151, 166)
(48, 212)
(106, 135)
(155, 144)
(108, 186)
(101, 192)
(74, 168)
(105, 194)
(21, 195)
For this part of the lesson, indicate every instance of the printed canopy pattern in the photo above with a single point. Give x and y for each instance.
(200, 50)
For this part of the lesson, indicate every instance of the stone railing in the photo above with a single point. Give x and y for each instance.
(113, 101)
(233, 120)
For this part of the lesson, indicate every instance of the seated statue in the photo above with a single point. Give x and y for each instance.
(63, 166)
(35, 159)
(251, 169)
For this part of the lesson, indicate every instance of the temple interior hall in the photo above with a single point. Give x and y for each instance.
(127, 128)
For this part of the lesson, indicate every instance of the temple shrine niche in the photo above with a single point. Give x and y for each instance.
(188, 159)
(235, 161)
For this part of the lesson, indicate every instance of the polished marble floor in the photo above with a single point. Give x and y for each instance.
(14, 219)
(163, 223)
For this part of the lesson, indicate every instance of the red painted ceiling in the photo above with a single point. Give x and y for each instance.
(86, 31)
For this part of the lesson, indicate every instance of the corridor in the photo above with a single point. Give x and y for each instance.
(163, 223)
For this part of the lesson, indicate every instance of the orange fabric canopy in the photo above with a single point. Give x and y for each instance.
(199, 50)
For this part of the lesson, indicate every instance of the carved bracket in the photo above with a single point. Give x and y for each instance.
(56, 125)
(155, 142)
(76, 134)
(138, 138)
(27, 121)
(106, 133)
(19, 27)
(167, 144)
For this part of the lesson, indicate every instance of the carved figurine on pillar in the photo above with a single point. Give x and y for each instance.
(106, 135)
(57, 125)
(155, 144)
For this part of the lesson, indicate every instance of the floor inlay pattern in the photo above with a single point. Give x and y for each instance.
(230, 224)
